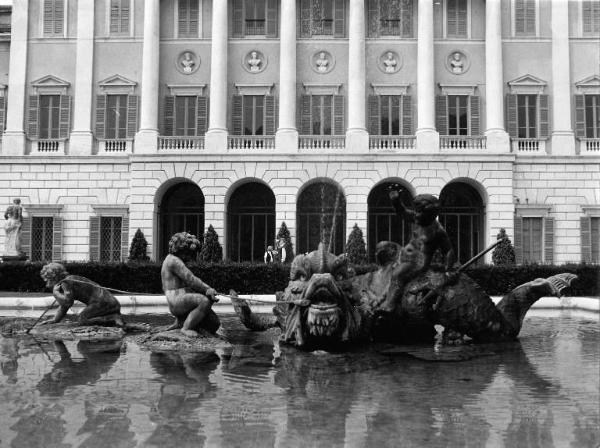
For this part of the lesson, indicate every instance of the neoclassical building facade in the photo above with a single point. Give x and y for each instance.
(243, 114)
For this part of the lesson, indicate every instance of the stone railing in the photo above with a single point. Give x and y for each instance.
(180, 143)
(528, 145)
(590, 146)
(251, 142)
(462, 142)
(114, 146)
(49, 146)
(392, 142)
(322, 141)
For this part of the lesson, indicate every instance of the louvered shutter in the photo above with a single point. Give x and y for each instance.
(33, 117)
(2, 115)
(518, 239)
(169, 115)
(544, 116)
(530, 16)
(519, 16)
(549, 240)
(48, 17)
(441, 114)
(338, 115)
(373, 18)
(461, 18)
(201, 115)
(100, 116)
(406, 16)
(193, 19)
(407, 115)
(124, 238)
(237, 18)
(94, 238)
(339, 18)
(182, 11)
(57, 234)
(64, 125)
(271, 9)
(511, 115)
(305, 19)
(270, 116)
(585, 223)
(132, 115)
(237, 111)
(26, 236)
(451, 17)
(374, 115)
(580, 116)
(475, 109)
(305, 115)
(124, 17)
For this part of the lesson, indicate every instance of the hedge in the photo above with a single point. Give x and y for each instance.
(249, 278)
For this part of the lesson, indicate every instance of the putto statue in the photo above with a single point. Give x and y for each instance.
(12, 227)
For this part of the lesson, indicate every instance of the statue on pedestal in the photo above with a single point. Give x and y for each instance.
(12, 227)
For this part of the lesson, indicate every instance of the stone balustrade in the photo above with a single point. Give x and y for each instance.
(180, 143)
(251, 142)
(322, 142)
(392, 142)
(528, 145)
(462, 142)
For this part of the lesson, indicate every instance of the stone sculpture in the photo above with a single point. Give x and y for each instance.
(12, 227)
(255, 62)
(390, 62)
(187, 63)
(457, 65)
(322, 62)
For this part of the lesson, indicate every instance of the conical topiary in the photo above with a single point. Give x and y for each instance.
(139, 245)
(504, 253)
(211, 252)
(356, 248)
(285, 241)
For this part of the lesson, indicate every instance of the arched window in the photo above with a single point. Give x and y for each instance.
(250, 222)
(463, 215)
(321, 216)
(181, 210)
(383, 223)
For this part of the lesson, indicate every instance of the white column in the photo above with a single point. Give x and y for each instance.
(13, 140)
(357, 138)
(286, 138)
(563, 138)
(216, 136)
(82, 140)
(146, 140)
(496, 136)
(428, 139)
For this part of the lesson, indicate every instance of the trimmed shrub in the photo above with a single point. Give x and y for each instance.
(356, 247)
(284, 235)
(211, 252)
(504, 253)
(137, 251)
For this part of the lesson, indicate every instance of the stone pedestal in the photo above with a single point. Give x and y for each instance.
(13, 143)
(286, 140)
(357, 140)
(497, 140)
(428, 140)
(146, 142)
(215, 140)
(81, 143)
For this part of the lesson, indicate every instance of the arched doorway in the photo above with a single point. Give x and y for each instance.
(321, 216)
(250, 222)
(181, 210)
(463, 216)
(383, 224)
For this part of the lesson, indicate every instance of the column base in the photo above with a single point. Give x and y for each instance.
(357, 140)
(497, 140)
(13, 143)
(427, 140)
(81, 143)
(286, 140)
(215, 140)
(563, 143)
(146, 142)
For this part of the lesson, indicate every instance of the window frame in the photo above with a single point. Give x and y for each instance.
(595, 112)
(131, 32)
(46, 248)
(513, 21)
(52, 132)
(64, 21)
(101, 211)
(176, 31)
(582, 31)
(445, 22)
(543, 212)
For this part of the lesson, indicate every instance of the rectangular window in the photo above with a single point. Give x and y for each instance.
(255, 17)
(119, 16)
(49, 118)
(322, 110)
(110, 238)
(592, 116)
(532, 240)
(185, 115)
(591, 17)
(595, 234)
(391, 114)
(527, 116)
(116, 116)
(458, 115)
(41, 238)
(456, 18)
(188, 18)
(390, 18)
(525, 17)
(253, 115)
(322, 18)
(54, 17)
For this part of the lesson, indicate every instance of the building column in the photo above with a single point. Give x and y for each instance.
(563, 138)
(286, 138)
(357, 138)
(13, 140)
(146, 140)
(81, 141)
(216, 136)
(496, 136)
(428, 139)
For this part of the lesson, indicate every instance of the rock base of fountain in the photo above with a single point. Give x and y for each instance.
(175, 341)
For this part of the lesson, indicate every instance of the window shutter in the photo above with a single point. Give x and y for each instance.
(407, 115)
(518, 239)
(59, 15)
(373, 18)
(270, 115)
(452, 17)
(237, 18)
(549, 240)
(65, 116)
(26, 236)
(237, 111)
(511, 115)
(305, 115)
(124, 17)
(2, 115)
(193, 19)
(579, 116)
(100, 116)
(57, 232)
(519, 16)
(586, 239)
(475, 105)
(544, 119)
(94, 238)
(441, 114)
(338, 115)
(132, 115)
(34, 108)
(271, 18)
(169, 115)
(305, 22)
(48, 16)
(124, 238)
(339, 19)
(374, 115)
(201, 115)
(461, 19)
(586, 14)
